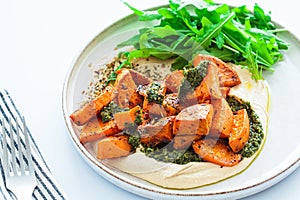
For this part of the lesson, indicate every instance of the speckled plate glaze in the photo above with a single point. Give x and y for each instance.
(279, 157)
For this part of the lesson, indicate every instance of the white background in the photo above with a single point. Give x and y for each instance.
(39, 40)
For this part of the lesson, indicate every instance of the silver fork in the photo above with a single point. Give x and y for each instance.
(20, 180)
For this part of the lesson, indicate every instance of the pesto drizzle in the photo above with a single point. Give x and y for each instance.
(171, 155)
(153, 93)
(107, 113)
(192, 79)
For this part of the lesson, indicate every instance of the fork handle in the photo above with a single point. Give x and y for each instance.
(22, 195)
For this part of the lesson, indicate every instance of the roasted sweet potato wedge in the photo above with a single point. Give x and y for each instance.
(153, 109)
(208, 89)
(222, 119)
(184, 141)
(113, 147)
(194, 120)
(91, 109)
(228, 76)
(240, 130)
(96, 129)
(125, 88)
(126, 117)
(161, 131)
(152, 92)
(171, 104)
(225, 91)
(217, 152)
(173, 81)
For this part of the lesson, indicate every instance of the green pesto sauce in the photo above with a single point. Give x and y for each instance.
(160, 153)
(134, 136)
(138, 119)
(196, 74)
(171, 155)
(153, 95)
(134, 140)
(192, 78)
(256, 131)
(107, 113)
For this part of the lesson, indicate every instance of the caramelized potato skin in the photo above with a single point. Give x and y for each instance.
(194, 120)
(126, 117)
(161, 131)
(96, 129)
(228, 77)
(113, 147)
(217, 152)
(91, 109)
(208, 89)
(174, 80)
(240, 130)
(222, 119)
(126, 90)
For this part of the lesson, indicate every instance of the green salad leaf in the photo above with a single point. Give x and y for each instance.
(185, 28)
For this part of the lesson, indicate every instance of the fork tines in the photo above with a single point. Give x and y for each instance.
(18, 162)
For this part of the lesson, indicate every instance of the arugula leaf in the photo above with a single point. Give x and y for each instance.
(210, 30)
(147, 52)
(224, 53)
(145, 16)
(220, 41)
(136, 11)
(167, 13)
(131, 41)
(174, 4)
(113, 76)
(179, 63)
(263, 19)
(252, 58)
(188, 27)
(268, 35)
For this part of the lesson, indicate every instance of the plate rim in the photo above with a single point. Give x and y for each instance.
(120, 181)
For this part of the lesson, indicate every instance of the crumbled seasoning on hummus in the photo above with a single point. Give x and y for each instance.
(150, 67)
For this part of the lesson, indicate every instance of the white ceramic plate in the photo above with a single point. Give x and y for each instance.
(279, 157)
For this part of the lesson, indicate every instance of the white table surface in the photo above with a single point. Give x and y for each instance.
(39, 40)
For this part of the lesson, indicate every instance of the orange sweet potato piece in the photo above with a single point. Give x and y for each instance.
(173, 81)
(171, 104)
(91, 109)
(210, 85)
(225, 91)
(208, 89)
(125, 88)
(216, 151)
(161, 131)
(228, 76)
(184, 141)
(153, 109)
(96, 129)
(150, 141)
(240, 130)
(113, 147)
(126, 117)
(194, 120)
(222, 119)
